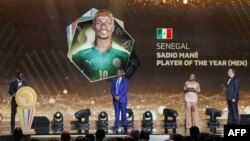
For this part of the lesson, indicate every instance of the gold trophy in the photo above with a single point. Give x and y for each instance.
(26, 99)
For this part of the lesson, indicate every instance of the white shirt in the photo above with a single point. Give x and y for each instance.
(19, 83)
(229, 80)
(118, 81)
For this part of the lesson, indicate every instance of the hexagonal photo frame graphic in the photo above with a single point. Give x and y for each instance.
(81, 38)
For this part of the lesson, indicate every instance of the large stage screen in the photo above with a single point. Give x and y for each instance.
(159, 44)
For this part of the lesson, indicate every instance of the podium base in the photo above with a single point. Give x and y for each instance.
(28, 131)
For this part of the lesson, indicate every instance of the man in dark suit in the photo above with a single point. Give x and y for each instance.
(119, 91)
(232, 96)
(13, 87)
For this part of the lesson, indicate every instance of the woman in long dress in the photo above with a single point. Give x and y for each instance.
(191, 89)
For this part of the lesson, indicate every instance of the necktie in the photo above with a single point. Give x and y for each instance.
(117, 85)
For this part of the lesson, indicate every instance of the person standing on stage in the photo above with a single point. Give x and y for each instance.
(119, 89)
(232, 96)
(191, 88)
(13, 87)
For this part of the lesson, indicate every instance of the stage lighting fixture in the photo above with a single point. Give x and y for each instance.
(102, 119)
(170, 113)
(41, 125)
(213, 113)
(147, 120)
(130, 117)
(58, 122)
(82, 117)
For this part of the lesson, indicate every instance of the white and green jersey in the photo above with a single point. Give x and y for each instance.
(97, 65)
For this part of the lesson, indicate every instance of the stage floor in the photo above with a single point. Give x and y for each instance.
(157, 129)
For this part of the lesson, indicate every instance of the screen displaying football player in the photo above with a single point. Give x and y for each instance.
(104, 57)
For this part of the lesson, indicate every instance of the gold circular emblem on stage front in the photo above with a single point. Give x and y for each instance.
(26, 97)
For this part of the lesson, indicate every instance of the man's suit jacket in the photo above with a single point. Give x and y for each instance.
(232, 91)
(123, 89)
(14, 86)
